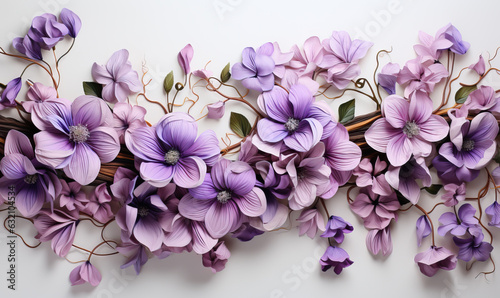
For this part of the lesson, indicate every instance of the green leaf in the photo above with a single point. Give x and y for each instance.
(92, 88)
(225, 75)
(433, 189)
(239, 125)
(168, 82)
(346, 111)
(463, 93)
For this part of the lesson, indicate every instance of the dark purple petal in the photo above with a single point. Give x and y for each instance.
(71, 20)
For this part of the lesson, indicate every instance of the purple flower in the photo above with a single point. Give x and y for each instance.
(202, 73)
(127, 118)
(431, 48)
(280, 60)
(458, 226)
(171, 151)
(246, 232)
(494, 212)
(227, 194)
(452, 34)
(118, 78)
(454, 194)
(28, 47)
(305, 61)
(388, 76)
(420, 76)
(216, 110)
(379, 241)
(435, 258)
(72, 196)
(77, 140)
(34, 184)
(99, 204)
(71, 20)
(46, 31)
(9, 94)
(404, 178)
(136, 253)
(256, 68)
(423, 229)
(375, 210)
(293, 118)
(371, 175)
(38, 93)
(481, 99)
(184, 58)
(479, 67)
(86, 272)
(335, 257)
(473, 247)
(216, 258)
(310, 222)
(59, 227)
(336, 227)
(407, 128)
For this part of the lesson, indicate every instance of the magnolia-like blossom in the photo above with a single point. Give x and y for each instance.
(57, 226)
(379, 241)
(452, 34)
(479, 67)
(335, 257)
(216, 110)
(28, 47)
(256, 68)
(388, 76)
(481, 99)
(86, 272)
(404, 178)
(76, 139)
(494, 212)
(72, 196)
(127, 118)
(371, 175)
(293, 118)
(454, 194)
(435, 258)
(216, 258)
(336, 227)
(418, 76)
(71, 20)
(466, 218)
(99, 204)
(310, 221)
(184, 58)
(473, 247)
(375, 210)
(172, 151)
(406, 128)
(430, 48)
(118, 77)
(9, 94)
(306, 60)
(423, 229)
(47, 31)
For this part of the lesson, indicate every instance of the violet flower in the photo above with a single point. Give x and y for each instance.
(77, 140)
(99, 204)
(216, 258)
(306, 60)
(9, 94)
(430, 48)
(406, 128)
(256, 68)
(479, 67)
(28, 47)
(473, 247)
(227, 194)
(454, 194)
(293, 118)
(136, 253)
(184, 58)
(85, 272)
(371, 175)
(216, 110)
(335, 257)
(118, 77)
(280, 60)
(71, 20)
(379, 241)
(452, 34)
(47, 31)
(57, 226)
(336, 227)
(435, 258)
(458, 226)
(420, 77)
(375, 210)
(310, 221)
(127, 118)
(404, 178)
(481, 99)
(494, 213)
(423, 229)
(38, 93)
(388, 76)
(72, 196)
(246, 232)
(171, 151)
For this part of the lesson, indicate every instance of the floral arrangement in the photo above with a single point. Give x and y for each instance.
(170, 188)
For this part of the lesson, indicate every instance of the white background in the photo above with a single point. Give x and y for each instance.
(277, 264)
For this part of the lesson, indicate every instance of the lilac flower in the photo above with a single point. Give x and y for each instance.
(46, 31)
(435, 258)
(9, 94)
(371, 175)
(336, 227)
(379, 241)
(57, 226)
(291, 77)
(404, 178)
(407, 128)
(72, 196)
(454, 194)
(38, 93)
(86, 272)
(77, 140)
(184, 58)
(479, 67)
(294, 118)
(494, 212)
(388, 76)
(280, 60)
(256, 68)
(423, 228)
(127, 118)
(458, 226)
(216, 110)
(246, 232)
(419, 76)
(473, 247)
(118, 77)
(171, 151)
(481, 99)
(305, 61)
(28, 47)
(34, 183)
(311, 221)
(375, 210)
(136, 253)
(99, 204)
(227, 194)
(71, 20)
(431, 48)
(452, 34)
(216, 258)
(335, 257)
(496, 175)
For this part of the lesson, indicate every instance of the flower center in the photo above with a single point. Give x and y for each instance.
(223, 196)
(79, 133)
(301, 173)
(143, 211)
(468, 145)
(31, 179)
(411, 129)
(292, 124)
(172, 157)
